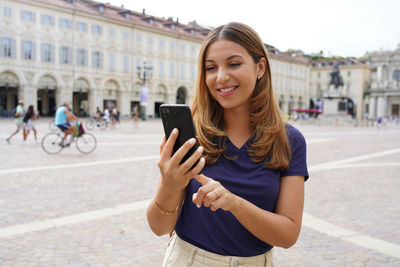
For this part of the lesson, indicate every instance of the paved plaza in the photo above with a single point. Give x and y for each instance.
(89, 210)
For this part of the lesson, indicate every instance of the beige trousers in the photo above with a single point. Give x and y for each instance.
(180, 253)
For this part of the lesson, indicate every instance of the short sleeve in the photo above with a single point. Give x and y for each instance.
(298, 161)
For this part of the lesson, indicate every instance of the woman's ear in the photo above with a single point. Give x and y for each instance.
(261, 66)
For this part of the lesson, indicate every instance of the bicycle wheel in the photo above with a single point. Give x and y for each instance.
(90, 124)
(52, 125)
(51, 143)
(86, 143)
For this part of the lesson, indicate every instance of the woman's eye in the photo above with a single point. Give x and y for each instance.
(209, 68)
(235, 64)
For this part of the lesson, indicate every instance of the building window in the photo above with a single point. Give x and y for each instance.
(138, 37)
(150, 40)
(101, 8)
(172, 26)
(192, 72)
(65, 55)
(318, 75)
(191, 31)
(27, 50)
(348, 73)
(162, 43)
(172, 45)
(81, 57)
(96, 29)
(112, 32)
(161, 67)
(7, 12)
(127, 15)
(47, 20)
(151, 21)
(171, 70)
(81, 26)
(97, 59)
(7, 47)
(47, 53)
(138, 62)
(65, 23)
(182, 71)
(126, 63)
(111, 62)
(182, 47)
(125, 35)
(27, 16)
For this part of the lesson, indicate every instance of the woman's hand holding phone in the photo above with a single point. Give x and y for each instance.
(176, 176)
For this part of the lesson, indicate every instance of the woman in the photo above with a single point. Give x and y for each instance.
(135, 116)
(250, 193)
(29, 117)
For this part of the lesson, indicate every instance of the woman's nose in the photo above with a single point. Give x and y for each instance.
(222, 75)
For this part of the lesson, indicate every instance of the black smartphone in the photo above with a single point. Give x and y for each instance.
(179, 116)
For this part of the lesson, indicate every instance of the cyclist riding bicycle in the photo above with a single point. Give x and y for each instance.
(62, 119)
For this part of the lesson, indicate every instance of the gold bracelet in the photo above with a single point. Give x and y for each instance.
(164, 212)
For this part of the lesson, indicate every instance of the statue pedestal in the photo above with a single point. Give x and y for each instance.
(335, 105)
(337, 111)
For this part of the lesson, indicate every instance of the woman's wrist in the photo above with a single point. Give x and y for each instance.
(236, 204)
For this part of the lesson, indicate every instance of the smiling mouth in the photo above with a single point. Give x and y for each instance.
(227, 91)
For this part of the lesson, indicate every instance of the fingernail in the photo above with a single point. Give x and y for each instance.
(200, 149)
(174, 131)
(202, 160)
(192, 141)
(194, 196)
(197, 205)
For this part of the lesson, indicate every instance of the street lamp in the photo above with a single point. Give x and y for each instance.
(144, 75)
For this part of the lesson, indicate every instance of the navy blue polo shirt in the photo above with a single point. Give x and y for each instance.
(220, 232)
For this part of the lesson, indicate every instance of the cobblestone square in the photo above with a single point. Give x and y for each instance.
(73, 209)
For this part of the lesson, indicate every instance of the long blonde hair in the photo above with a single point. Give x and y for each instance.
(270, 143)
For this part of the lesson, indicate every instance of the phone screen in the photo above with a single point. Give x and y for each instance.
(179, 116)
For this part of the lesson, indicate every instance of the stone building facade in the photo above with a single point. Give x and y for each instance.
(88, 53)
(382, 97)
(290, 74)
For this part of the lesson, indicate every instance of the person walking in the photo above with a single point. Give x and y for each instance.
(106, 116)
(246, 193)
(19, 116)
(29, 117)
(135, 116)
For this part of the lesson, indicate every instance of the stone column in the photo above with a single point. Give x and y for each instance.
(372, 107)
(65, 95)
(29, 95)
(124, 103)
(382, 107)
(92, 101)
(59, 98)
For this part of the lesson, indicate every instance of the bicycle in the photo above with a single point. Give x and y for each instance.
(52, 143)
(93, 122)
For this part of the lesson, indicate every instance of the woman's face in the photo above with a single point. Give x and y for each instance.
(231, 74)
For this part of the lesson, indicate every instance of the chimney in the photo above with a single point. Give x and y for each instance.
(144, 11)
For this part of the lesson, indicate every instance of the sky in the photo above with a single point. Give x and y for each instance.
(347, 28)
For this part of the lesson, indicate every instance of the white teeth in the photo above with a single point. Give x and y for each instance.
(227, 90)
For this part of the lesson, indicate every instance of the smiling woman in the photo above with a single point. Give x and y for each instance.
(250, 193)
